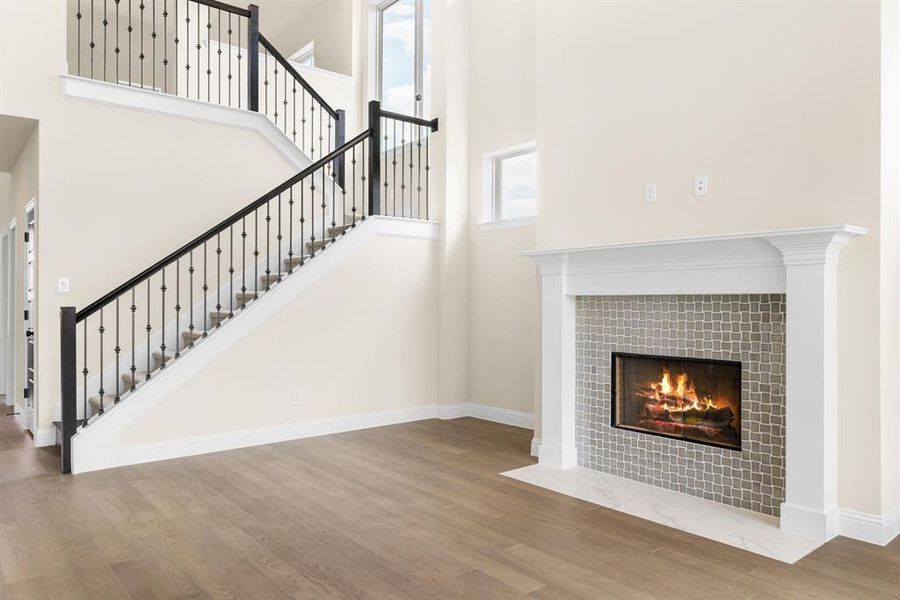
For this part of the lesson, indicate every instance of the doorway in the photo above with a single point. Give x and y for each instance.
(30, 279)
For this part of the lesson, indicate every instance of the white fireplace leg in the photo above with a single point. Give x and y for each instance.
(810, 506)
(557, 447)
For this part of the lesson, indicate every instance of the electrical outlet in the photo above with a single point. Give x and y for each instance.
(63, 285)
(650, 193)
(701, 185)
(298, 400)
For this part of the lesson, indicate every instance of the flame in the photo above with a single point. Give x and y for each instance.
(679, 397)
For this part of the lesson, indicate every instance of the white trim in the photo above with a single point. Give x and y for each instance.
(307, 52)
(205, 444)
(535, 446)
(870, 528)
(98, 446)
(507, 224)
(801, 263)
(45, 437)
(81, 88)
(485, 412)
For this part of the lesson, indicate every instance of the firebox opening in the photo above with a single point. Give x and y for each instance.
(692, 399)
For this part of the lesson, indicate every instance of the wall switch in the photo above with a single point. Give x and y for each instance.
(650, 193)
(701, 185)
(63, 285)
(298, 400)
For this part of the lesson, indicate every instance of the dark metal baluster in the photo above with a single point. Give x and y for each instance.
(279, 237)
(105, 37)
(78, 16)
(208, 56)
(229, 58)
(165, 16)
(302, 222)
(218, 278)
(364, 164)
(92, 39)
(118, 49)
(268, 249)
(333, 200)
(162, 331)
(199, 47)
(291, 231)
(324, 206)
(384, 204)
(187, 49)
(149, 328)
(205, 294)
(231, 270)
(394, 164)
(101, 391)
(353, 183)
(177, 41)
(84, 372)
(219, 55)
(153, 41)
(266, 79)
(411, 174)
(312, 214)
(118, 351)
(402, 170)
(133, 344)
(427, 168)
(243, 261)
(419, 177)
(320, 136)
(312, 121)
(256, 254)
(130, 35)
(239, 62)
(191, 297)
(294, 105)
(141, 55)
(275, 99)
(302, 117)
(285, 103)
(177, 307)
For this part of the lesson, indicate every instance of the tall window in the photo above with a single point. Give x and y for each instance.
(404, 56)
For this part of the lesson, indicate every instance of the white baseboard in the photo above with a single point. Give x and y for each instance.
(143, 453)
(488, 413)
(870, 528)
(535, 446)
(45, 437)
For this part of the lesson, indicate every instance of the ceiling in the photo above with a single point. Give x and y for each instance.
(14, 132)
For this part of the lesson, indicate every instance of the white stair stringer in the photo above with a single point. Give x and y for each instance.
(97, 446)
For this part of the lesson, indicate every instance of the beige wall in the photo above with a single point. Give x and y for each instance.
(291, 24)
(382, 300)
(119, 188)
(785, 124)
(503, 332)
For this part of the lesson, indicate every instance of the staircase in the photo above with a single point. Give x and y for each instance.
(118, 344)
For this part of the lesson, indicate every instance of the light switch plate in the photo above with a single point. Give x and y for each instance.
(63, 285)
(650, 193)
(701, 185)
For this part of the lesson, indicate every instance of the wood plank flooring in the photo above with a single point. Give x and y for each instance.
(409, 511)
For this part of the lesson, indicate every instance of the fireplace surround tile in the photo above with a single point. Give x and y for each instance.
(743, 327)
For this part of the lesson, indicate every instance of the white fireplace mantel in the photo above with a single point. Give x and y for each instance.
(801, 263)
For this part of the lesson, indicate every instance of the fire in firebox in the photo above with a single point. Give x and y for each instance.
(693, 399)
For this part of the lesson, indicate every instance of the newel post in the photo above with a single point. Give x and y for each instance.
(253, 57)
(375, 158)
(68, 380)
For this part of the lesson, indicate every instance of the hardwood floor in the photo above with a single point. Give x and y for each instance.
(409, 511)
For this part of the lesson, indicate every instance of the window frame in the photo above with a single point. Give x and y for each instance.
(419, 58)
(492, 169)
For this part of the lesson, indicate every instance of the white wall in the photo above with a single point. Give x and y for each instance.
(503, 332)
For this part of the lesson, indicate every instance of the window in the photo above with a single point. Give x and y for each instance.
(305, 56)
(511, 185)
(404, 56)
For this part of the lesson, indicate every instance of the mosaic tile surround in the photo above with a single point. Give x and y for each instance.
(747, 327)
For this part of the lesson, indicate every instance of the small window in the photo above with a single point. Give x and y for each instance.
(305, 56)
(511, 185)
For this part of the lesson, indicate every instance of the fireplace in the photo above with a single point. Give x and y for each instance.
(696, 400)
